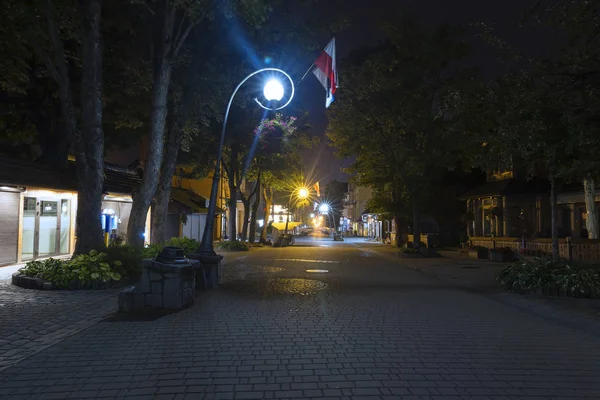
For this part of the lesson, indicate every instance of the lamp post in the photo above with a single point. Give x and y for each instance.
(273, 92)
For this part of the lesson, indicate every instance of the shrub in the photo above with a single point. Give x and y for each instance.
(83, 268)
(526, 276)
(130, 259)
(94, 266)
(233, 245)
(188, 245)
(152, 250)
(578, 281)
(118, 240)
(50, 270)
(410, 250)
(545, 274)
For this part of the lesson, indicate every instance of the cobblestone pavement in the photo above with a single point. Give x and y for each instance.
(32, 320)
(365, 329)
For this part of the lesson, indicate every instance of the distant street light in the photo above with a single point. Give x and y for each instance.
(324, 208)
(273, 92)
(302, 193)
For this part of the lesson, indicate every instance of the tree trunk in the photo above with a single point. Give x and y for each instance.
(90, 143)
(232, 210)
(163, 191)
(416, 223)
(268, 196)
(399, 231)
(553, 218)
(591, 222)
(246, 203)
(161, 79)
(255, 205)
(232, 173)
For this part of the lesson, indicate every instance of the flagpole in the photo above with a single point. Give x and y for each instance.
(307, 72)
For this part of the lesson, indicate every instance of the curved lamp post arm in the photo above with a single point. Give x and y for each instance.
(206, 246)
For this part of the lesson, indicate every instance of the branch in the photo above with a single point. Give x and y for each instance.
(530, 12)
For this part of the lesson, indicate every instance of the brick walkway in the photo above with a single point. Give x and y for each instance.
(377, 331)
(32, 320)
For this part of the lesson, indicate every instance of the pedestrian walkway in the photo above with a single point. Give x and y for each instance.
(373, 329)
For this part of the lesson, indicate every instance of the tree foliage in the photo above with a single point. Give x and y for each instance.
(397, 115)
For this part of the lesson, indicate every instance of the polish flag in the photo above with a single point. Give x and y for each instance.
(326, 71)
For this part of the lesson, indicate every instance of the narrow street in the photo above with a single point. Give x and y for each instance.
(320, 319)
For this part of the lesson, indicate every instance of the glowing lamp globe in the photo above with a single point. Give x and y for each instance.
(273, 90)
(303, 193)
(324, 208)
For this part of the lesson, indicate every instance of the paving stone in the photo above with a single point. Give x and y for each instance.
(380, 330)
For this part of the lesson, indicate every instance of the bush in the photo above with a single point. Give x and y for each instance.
(84, 268)
(188, 245)
(50, 270)
(233, 245)
(542, 274)
(410, 250)
(94, 266)
(130, 259)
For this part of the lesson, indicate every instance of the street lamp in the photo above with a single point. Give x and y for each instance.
(302, 193)
(324, 208)
(273, 91)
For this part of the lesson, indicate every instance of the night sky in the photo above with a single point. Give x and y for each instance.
(504, 15)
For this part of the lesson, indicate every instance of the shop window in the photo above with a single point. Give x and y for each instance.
(49, 208)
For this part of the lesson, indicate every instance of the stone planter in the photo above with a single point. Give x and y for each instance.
(498, 256)
(168, 282)
(410, 255)
(27, 282)
(479, 254)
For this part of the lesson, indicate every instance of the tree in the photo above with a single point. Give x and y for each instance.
(403, 96)
(89, 141)
(171, 27)
(173, 22)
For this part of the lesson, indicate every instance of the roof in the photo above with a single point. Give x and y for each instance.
(17, 172)
(191, 200)
(507, 187)
(26, 173)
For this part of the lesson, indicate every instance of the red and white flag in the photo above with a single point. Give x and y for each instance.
(326, 71)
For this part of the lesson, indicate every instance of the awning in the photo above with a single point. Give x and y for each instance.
(280, 226)
(193, 202)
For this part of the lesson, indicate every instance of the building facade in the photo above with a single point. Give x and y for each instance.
(39, 206)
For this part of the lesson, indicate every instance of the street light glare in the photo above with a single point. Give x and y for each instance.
(324, 208)
(273, 90)
(303, 193)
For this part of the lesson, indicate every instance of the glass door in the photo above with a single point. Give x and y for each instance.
(28, 229)
(48, 228)
(65, 227)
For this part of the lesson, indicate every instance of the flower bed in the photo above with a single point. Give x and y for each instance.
(545, 276)
(96, 270)
(233, 245)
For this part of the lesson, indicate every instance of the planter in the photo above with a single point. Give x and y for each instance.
(27, 282)
(480, 254)
(410, 255)
(498, 256)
